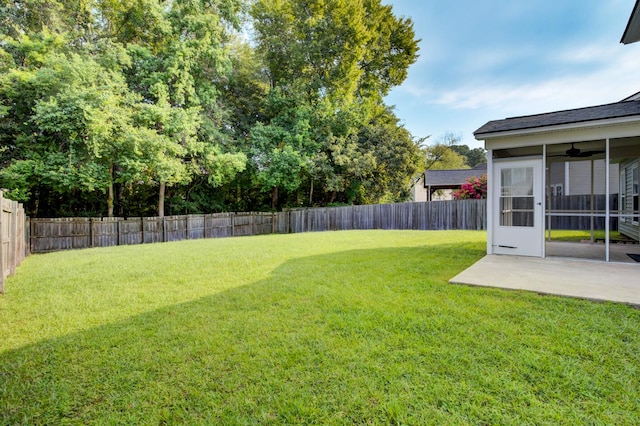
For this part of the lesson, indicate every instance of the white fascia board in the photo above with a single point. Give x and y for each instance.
(564, 133)
(558, 128)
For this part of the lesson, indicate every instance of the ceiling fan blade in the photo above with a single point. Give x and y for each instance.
(590, 153)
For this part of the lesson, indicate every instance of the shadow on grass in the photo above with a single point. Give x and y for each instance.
(387, 341)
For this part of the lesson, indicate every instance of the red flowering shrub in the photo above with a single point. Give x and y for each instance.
(473, 188)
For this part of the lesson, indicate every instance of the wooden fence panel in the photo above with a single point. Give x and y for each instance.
(12, 237)
(60, 234)
(175, 228)
(219, 225)
(243, 224)
(317, 219)
(582, 204)
(105, 232)
(196, 226)
(282, 222)
(262, 224)
(296, 221)
(130, 231)
(69, 233)
(152, 230)
(343, 218)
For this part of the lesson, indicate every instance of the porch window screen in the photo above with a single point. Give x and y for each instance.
(516, 197)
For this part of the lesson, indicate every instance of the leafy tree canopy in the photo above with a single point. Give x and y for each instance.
(120, 107)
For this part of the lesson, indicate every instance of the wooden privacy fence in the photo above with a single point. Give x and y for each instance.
(434, 215)
(75, 233)
(12, 237)
(574, 212)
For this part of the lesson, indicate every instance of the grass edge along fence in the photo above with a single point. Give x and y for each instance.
(13, 240)
(48, 235)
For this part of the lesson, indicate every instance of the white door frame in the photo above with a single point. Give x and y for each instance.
(514, 239)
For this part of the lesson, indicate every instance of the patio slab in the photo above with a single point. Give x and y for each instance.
(615, 282)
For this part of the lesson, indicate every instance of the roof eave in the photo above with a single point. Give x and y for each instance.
(557, 128)
(632, 31)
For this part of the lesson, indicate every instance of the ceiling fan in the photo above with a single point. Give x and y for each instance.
(574, 152)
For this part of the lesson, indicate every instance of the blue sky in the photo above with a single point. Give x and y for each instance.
(490, 59)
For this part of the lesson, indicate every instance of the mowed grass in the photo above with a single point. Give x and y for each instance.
(584, 235)
(318, 328)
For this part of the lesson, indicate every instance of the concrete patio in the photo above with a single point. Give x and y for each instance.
(594, 280)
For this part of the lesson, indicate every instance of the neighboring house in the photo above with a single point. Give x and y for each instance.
(439, 185)
(574, 178)
(418, 191)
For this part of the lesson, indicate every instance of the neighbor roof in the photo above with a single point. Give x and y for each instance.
(602, 112)
(632, 32)
(448, 178)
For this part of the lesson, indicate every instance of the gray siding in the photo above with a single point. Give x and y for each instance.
(626, 226)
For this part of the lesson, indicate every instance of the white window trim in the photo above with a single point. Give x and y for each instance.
(635, 190)
(622, 206)
(557, 190)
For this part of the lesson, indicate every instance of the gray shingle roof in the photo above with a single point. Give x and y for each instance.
(452, 177)
(579, 115)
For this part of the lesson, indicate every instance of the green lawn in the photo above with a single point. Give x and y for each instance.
(572, 235)
(321, 328)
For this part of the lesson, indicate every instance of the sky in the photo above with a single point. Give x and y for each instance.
(486, 60)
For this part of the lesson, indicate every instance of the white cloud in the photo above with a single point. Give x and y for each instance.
(614, 78)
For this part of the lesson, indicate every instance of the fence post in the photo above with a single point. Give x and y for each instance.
(233, 224)
(273, 222)
(27, 235)
(13, 238)
(164, 230)
(90, 232)
(2, 268)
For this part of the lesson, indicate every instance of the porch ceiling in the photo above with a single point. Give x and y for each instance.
(620, 149)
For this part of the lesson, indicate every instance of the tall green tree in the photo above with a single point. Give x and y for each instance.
(335, 59)
(140, 85)
(108, 106)
(69, 121)
(474, 156)
(398, 158)
(443, 156)
(180, 55)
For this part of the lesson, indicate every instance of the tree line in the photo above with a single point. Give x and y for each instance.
(113, 107)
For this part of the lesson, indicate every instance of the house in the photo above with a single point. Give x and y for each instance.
(522, 149)
(439, 185)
